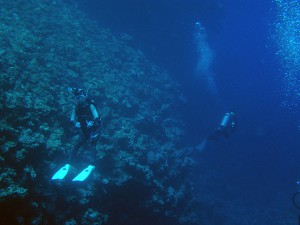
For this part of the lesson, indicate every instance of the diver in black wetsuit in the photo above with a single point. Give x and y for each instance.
(85, 116)
(225, 128)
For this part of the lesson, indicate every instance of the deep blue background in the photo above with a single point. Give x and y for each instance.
(261, 160)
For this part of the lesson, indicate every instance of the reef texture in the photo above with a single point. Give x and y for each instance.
(142, 169)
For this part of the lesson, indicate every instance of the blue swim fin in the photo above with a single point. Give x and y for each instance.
(61, 173)
(202, 145)
(84, 174)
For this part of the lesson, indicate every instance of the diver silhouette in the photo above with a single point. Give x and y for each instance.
(225, 128)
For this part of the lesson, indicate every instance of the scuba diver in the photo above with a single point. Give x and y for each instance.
(225, 128)
(86, 117)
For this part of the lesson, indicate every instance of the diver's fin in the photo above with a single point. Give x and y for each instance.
(61, 173)
(84, 173)
(202, 145)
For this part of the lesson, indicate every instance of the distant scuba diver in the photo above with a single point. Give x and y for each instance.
(86, 117)
(225, 128)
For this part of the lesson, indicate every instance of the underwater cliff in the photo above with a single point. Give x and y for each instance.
(141, 166)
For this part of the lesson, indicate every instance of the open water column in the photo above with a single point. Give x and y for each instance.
(203, 69)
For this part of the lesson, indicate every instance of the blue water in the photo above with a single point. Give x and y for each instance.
(259, 165)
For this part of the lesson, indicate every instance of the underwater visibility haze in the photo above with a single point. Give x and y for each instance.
(183, 112)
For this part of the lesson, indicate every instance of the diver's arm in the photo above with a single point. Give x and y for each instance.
(97, 120)
(73, 115)
(73, 118)
(94, 111)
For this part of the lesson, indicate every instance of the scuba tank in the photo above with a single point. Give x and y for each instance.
(225, 120)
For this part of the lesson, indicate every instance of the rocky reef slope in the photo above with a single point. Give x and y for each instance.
(141, 171)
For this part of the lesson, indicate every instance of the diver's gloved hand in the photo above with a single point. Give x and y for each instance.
(89, 123)
(95, 130)
(77, 124)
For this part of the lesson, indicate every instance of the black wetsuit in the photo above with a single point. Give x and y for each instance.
(226, 127)
(90, 128)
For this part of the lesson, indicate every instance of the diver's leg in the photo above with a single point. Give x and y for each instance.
(74, 151)
(217, 133)
(93, 145)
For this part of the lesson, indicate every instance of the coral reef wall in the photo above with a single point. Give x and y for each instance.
(141, 167)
